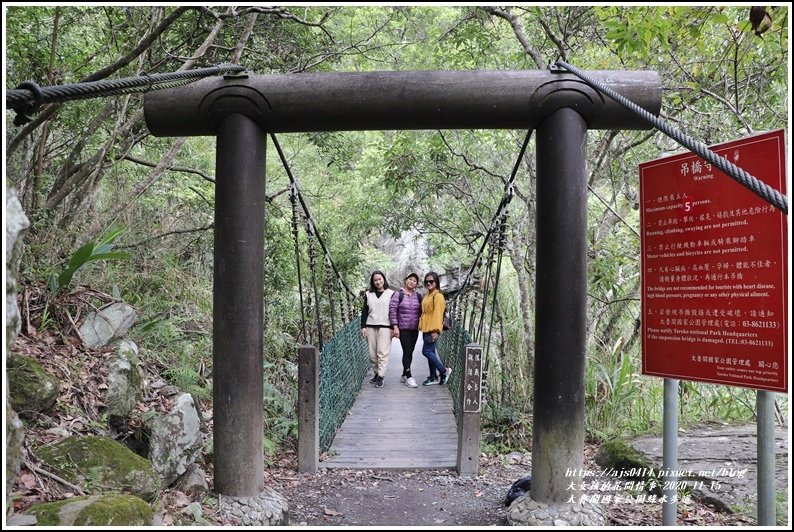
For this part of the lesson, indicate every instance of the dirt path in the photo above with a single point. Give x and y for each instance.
(395, 498)
(344, 497)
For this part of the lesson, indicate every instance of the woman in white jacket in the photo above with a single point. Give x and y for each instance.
(375, 326)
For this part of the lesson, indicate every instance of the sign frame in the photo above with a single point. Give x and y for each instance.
(714, 265)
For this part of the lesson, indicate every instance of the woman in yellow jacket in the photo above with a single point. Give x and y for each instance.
(431, 323)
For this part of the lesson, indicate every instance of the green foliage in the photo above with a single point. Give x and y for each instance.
(46, 317)
(720, 80)
(189, 380)
(643, 30)
(701, 402)
(612, 383)
(635, 31)
(781, 507)
(88, 252)
(280, 416)
(506, 429)
(184, 355)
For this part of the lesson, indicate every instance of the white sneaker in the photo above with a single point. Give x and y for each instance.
(402, 378)
(411, 383)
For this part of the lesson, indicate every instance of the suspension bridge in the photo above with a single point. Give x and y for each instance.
(394, 427)
(560, 104)
(355, 426)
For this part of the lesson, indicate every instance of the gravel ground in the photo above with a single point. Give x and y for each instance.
(344, 497)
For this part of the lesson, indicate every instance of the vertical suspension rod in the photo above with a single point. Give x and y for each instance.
(500, 244)
(293, 196)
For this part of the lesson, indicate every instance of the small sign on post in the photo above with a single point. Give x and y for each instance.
(471, 406)
(472, 379)
(714, 268)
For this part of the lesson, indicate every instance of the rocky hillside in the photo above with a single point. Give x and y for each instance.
(97, 420)
(94, 435)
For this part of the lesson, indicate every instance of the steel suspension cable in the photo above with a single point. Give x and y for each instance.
(761, 189)
(462, 309)
(342, 301)
(486, 288)
(27, 97)
(330, 288)
(475, 296)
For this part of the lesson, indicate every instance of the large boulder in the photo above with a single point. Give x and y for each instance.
(31, 388)
(175, 439)
(101, 464)
(16, 222)
(98, 510)
(108, 324)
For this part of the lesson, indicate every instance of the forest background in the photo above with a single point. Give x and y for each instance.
(89, 172)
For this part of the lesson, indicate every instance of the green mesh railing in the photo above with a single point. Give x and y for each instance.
(343, 362)
(451, 346)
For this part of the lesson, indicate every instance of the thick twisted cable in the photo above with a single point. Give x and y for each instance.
(760, 188)
(19, 98)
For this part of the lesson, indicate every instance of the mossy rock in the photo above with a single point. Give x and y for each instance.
(101, 464)
(97, 510)
(621, 458)
(31, 388)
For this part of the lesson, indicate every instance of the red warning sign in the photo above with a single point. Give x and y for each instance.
(715, 268)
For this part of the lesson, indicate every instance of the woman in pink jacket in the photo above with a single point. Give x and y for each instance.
(404, 312)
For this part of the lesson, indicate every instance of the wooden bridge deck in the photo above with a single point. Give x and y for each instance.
(397, 427)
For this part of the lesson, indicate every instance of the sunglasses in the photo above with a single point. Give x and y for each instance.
(429, 281)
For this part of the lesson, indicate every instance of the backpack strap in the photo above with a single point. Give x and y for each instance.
(402, 295)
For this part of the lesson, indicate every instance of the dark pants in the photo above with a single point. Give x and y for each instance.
(408, 339)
